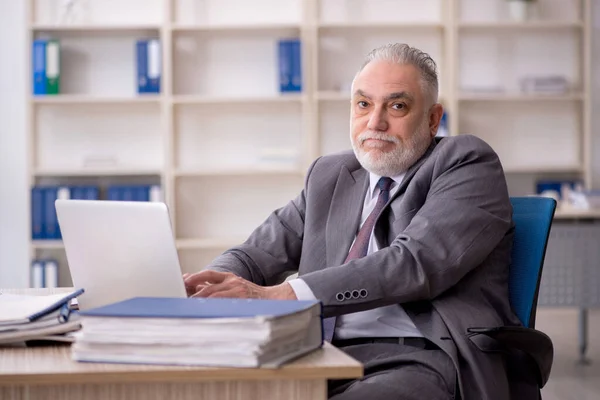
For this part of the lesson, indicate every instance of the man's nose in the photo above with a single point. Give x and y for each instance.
(378, 119)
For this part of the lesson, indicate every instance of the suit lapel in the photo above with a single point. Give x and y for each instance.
(379, 231)
(412, 171)
(344, 214)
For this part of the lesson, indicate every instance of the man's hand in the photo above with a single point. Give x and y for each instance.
(224, 284)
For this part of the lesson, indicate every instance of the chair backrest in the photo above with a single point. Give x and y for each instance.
(532, 217)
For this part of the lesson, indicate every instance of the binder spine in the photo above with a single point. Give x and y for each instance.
(53, 67)
(37, 274)
(39, 67)
(296, 65)
(153, 54)
(62, 193)
(155, 194)
(37, 213)
(50, 274)
(142, 66)
(51, 222)
(283, 56)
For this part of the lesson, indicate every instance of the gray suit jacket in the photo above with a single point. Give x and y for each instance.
(445, 240)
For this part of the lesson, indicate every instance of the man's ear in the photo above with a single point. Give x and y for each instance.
(435, 116)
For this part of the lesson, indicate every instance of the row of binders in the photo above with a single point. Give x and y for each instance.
(44, 222)
(46, 65)
(44, 273)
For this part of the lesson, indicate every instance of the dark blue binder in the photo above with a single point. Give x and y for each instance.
(50, 218)
(38, 60)
(296, 65)
(169, 307)
(284, 54)
(142, 66)
(37, 213)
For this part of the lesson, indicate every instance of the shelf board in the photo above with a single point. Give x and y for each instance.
(94, 28)
(70, 99)
(544, 169)
(379, 25)
(208, 243)
(240, 171)
(47, 244)
(235, 28)
(508, 25)
(574, 213)
(50, 173)
(199, 99)
(519, 97)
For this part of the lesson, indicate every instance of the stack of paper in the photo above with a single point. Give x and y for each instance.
(192, 331)
(26, 318)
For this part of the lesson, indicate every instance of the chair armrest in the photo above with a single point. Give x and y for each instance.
(532, 342)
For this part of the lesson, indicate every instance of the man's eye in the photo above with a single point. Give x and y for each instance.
(362, 104)
(398, 106)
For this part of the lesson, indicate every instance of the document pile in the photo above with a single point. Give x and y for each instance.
(203, 332)
(26, 318)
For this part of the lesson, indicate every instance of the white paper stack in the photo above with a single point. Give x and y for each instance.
(25, 318)
(208, 332)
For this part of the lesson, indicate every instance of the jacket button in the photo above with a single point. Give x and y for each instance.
(363, 293)
(339, 296)
(355, 294)
(347, 295)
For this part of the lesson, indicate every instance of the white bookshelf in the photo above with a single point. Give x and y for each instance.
(228, 148)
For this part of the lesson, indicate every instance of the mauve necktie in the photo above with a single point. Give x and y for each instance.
(361, 243)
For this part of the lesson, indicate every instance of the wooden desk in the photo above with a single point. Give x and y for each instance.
(48, 373)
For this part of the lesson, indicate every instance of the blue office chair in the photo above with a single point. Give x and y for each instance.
(531, 350)
(532, 217)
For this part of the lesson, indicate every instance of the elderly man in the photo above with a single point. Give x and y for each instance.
(406, 240)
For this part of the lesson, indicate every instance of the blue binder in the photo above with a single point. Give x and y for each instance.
(38, 61)
(170, 307)
(296, 65)
(50, 218)
(37, 213)
(148, 60)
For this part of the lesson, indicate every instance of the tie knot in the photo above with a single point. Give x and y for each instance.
(384, 183)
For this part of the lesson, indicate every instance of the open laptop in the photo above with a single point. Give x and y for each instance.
(119, 249)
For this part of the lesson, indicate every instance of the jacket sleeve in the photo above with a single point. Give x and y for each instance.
(272, 252)
(466, 213)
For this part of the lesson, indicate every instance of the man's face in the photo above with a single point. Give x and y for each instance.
(391, 123)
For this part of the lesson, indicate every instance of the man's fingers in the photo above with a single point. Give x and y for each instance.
(226, 294)
(207, 290)
(202, 277)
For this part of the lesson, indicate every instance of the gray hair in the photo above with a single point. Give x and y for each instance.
(400, 53)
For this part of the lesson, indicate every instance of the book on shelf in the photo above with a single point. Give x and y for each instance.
(44, 222)
(44, 273)
(27, 318)
(289, 56)
(46, 66)
(201, 332)
(149, 69)
(134, 193)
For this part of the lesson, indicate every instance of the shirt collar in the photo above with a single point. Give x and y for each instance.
(374, 178)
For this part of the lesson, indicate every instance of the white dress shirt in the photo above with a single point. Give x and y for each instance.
(388, 321)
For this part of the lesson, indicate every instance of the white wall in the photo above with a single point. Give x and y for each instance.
(14, 250)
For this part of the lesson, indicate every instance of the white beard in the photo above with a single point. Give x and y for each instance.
(397, 161)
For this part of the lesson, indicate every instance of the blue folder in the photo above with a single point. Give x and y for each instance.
(167, 307)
